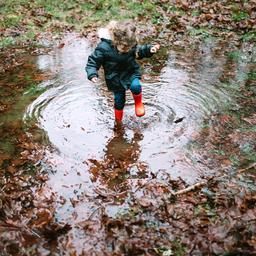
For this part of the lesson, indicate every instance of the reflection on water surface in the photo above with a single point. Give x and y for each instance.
(93, 164)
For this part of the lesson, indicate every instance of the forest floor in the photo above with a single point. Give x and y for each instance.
(213, 217)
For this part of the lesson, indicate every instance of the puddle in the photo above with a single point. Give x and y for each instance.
(86, 156)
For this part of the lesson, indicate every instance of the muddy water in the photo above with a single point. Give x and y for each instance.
(77, 117)
(87, 157)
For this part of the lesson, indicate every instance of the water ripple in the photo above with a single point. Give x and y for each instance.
(78, 116)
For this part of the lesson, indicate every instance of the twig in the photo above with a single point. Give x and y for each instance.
(98, 208)
(108, 194)
(22, 227)
(31, 231)
(143, 185)
(182, 191)
(192, 249)
(192, 187)
(162, 183)
(247, 168)
(91, 215)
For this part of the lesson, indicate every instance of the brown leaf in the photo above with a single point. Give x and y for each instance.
(170, 209)
(226, 162)
(209, 16)
(219, 232)
(11, 169)
(225, 119)
(145, 202)
(61, 45)
(3, 157)
(44, 216)
(217, 249)
(251, 120)
(18, 162)
(185, 5)
(25, 153)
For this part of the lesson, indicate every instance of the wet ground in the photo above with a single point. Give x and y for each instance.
(92, 166)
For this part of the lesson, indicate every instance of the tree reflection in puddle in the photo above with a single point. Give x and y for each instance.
(120, 161)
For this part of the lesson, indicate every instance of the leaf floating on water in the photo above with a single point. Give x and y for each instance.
(146, 202)
(179, 120)
(61, 45)
(44, 216)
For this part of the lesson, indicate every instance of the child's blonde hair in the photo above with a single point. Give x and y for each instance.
(122, 32)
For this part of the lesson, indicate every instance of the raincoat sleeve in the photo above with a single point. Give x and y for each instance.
(94, 62)
(143, 51)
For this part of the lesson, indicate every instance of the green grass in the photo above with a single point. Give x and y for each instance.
(251, 75)
(249, 36)
(234, 87)
(234, 159)
(7, 146)
(6, 42)
(175, 9)
(196, 13)
(199, 32)
(13, 41)
(239, 15)
(140, 8)
(219, 152)
(101, 10)
(247, 148)
(34, 90)
(249, 152)
(130, 213)
(58, 16)
(234, 55)
(11, 20)
(177, 249)
(248, 129)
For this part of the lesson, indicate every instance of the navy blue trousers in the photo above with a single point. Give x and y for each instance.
(119, 97)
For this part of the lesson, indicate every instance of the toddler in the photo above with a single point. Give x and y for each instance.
(117, 53)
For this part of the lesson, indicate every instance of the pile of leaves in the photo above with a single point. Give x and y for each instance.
(182, 15)
(217, 219)
(26, 209)
(213, 217)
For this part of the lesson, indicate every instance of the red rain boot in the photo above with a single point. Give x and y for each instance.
(139, 107)
(119, 115)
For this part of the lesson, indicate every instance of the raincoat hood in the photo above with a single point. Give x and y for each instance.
(104, 33)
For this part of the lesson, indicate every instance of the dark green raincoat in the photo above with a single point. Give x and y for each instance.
(119, 68)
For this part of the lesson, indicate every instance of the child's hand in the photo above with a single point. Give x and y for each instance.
(95, 79)
(155, 48)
